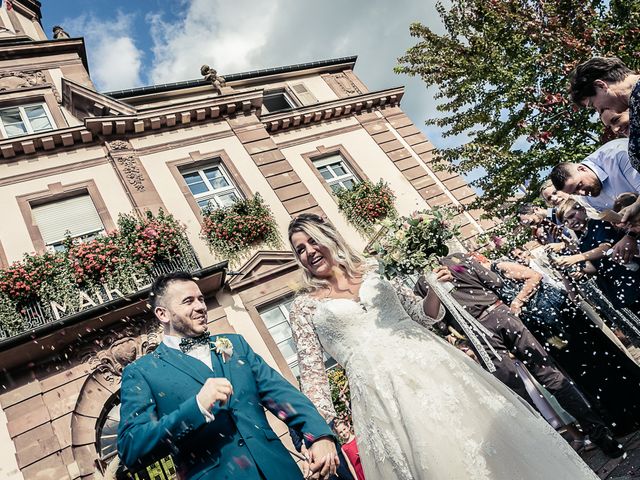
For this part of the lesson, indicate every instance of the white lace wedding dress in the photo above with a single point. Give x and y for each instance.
(421, 408)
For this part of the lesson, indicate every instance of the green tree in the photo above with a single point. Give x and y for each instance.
(501, 72)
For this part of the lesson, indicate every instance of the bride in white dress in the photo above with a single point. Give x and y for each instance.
(421, 408)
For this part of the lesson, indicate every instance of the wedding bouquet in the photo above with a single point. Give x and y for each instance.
(413, 244)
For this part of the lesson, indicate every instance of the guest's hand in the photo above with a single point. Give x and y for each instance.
(443, 274)
(516, 307)
(625, 249)
(578, 275)
(555, 247)
(567, 260)
(214, 390)
(324, 458)
(630, 214)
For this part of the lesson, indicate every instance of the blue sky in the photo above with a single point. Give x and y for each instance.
(143, 42)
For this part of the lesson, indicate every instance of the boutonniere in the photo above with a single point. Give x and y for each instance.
(223, 347)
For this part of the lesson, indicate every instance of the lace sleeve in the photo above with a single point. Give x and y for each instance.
(313, 377)
(412, 303)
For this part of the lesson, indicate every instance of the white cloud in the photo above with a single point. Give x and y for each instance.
(220, 33)
(247, 35)
(114, 59)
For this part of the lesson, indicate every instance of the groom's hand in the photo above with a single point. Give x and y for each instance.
(214, 390)
(324, 458)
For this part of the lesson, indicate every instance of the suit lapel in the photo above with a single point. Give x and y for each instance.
(220, 368)
(190, 366)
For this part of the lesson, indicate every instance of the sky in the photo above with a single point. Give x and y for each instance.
(133, 43)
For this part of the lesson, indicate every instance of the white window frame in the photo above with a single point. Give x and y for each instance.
(25, 119)
(211, 194)
(287, 97)
(292, 361)
(338, 180)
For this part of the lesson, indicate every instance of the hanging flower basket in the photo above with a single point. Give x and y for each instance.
(231, 232)
(116, 260)
(366, 204)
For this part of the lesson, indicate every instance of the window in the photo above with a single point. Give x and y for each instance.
(76, 216)
(211, 185)
(276, 102)
(336, 172)
(276, 318)
(107, 436)
(23, 120)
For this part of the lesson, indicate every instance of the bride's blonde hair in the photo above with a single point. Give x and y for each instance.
(327, 236)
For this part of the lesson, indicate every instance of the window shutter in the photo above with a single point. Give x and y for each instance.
(78, 215)
(304, 95)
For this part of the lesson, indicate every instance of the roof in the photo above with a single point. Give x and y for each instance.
(165, 87)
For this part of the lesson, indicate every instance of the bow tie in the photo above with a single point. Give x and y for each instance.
(188, 343)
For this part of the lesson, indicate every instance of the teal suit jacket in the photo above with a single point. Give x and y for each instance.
(159, 415)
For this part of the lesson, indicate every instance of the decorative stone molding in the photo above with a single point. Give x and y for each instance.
(21, 79)
(113, 351)
(119, 145)
(346, 84)
(24, 79)
(132, 172)
(343, 107)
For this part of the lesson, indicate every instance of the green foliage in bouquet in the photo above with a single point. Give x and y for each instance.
(340, 394)
(366, 204)
(412, 244)
(232, 231)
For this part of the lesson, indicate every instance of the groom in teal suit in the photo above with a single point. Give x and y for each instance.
(200, 398)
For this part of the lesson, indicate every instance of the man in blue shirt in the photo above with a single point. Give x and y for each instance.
(598, 180)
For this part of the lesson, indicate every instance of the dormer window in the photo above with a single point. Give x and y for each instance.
(277, 101)
(25, 120)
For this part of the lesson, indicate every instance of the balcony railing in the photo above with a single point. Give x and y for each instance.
(37, 313)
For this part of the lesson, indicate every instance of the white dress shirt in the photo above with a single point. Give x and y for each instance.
(199, 352)
(614, 170)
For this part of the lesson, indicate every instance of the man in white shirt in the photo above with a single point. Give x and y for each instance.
(598, 180)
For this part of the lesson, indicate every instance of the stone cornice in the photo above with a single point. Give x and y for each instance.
(279, 121)
(15, 50)
(136, 122)
(182, 113)
(47, 141)
(76, 96)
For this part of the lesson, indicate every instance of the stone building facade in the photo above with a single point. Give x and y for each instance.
(65, 147)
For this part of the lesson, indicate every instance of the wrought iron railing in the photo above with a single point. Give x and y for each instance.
(37, 313)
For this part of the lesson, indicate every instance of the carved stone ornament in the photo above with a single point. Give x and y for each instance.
(131, 171)
(59, 33)
(115, 350)
(211, 76)
(119, 145)
(347, 85)
(15, 80)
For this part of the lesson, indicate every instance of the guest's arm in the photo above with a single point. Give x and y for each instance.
(351, 469)
(595, 254)
(531, 280)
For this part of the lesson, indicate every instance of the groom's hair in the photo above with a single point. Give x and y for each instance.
(162, 283)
